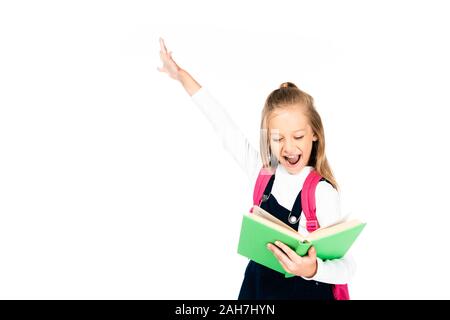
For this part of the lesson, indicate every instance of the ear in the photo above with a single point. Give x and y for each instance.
(314, 138)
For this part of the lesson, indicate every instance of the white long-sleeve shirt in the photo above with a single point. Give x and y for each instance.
(285, 188)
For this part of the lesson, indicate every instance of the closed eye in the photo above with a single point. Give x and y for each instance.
(298, 138)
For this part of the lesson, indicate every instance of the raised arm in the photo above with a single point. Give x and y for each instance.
(175, 72)
(233, 140)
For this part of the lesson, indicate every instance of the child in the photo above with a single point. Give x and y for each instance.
(292, 144)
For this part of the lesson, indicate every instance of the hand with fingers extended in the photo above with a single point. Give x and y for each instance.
(174, 71)
(169, 65)
(293, 263)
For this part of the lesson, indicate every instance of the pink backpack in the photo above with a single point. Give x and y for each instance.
(340, 291)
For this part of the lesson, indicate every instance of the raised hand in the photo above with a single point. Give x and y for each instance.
(169, 66)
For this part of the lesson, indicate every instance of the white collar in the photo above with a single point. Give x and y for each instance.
(302, 174)
(287, 186)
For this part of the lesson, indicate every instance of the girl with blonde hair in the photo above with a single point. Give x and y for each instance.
(292, 144)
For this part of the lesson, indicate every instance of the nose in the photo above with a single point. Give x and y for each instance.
(290, 146)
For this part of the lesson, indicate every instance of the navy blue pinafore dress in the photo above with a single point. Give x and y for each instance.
(262, 283)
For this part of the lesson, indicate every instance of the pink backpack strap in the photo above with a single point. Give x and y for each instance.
(340, 291)
(260, 185)
(309, 200)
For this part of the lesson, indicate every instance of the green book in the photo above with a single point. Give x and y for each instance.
(260, 227)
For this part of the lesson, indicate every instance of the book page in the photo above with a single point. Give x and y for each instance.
(336, 228)
(260, 212)
(288, 231)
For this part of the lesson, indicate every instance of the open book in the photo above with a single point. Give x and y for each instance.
(260, 227)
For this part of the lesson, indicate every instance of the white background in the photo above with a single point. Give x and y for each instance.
(114, 185)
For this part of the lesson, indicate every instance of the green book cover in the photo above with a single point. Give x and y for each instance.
(260, 227)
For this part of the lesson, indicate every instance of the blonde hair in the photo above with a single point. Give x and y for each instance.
(288, 94)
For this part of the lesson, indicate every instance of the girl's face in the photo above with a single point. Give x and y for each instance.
(291, 138)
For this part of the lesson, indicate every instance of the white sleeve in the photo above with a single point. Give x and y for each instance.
(328, 205)
(231, 136)
(328, 212)
(337, 271)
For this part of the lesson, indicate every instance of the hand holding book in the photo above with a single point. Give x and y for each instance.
(260, 228)
(292, 263)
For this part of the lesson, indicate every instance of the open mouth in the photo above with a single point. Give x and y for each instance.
(292, 160)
